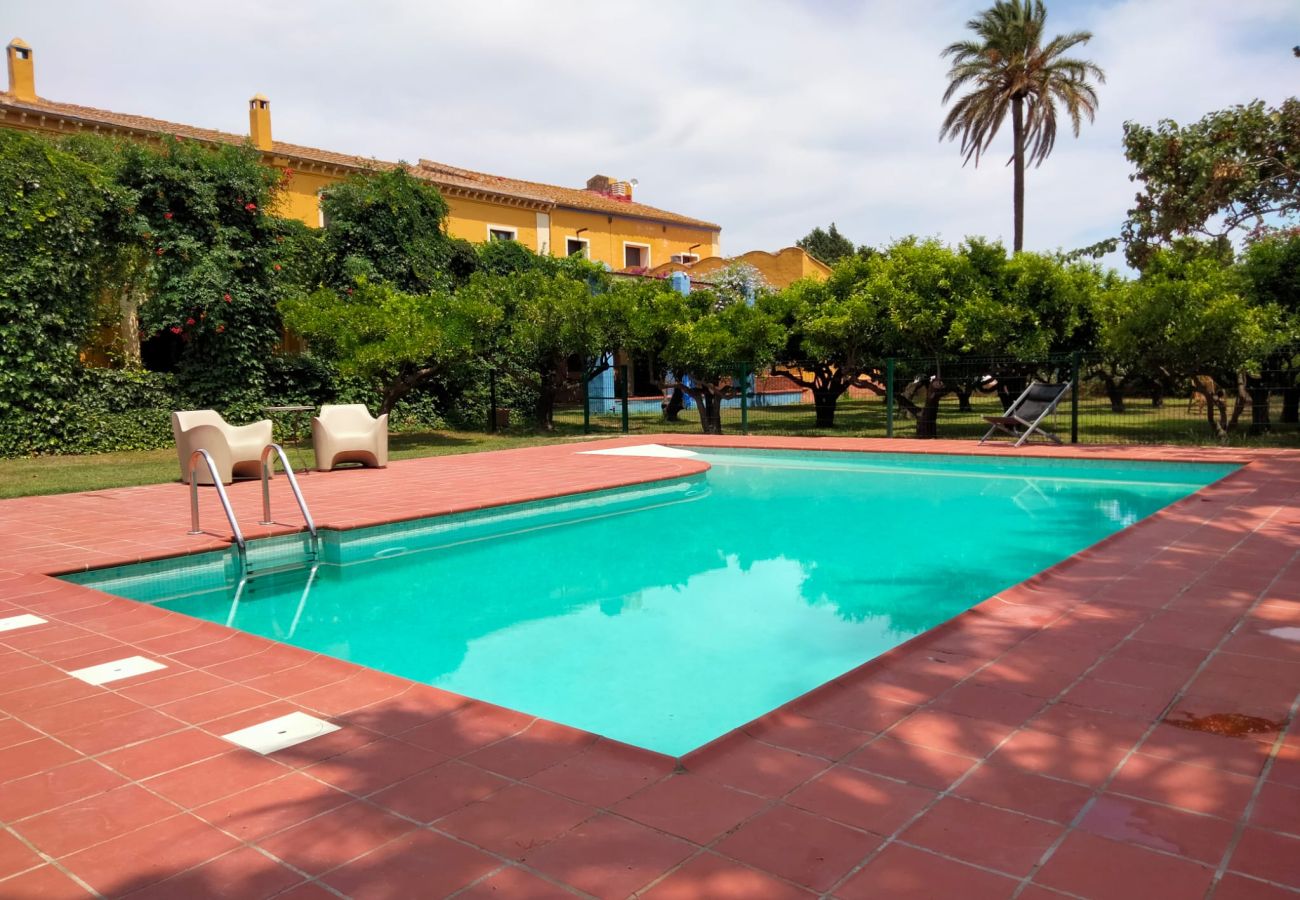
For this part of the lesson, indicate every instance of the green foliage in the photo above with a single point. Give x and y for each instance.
(390, 339)
(389, 226)
(827, 245)
(1234, 169)
(51, 252)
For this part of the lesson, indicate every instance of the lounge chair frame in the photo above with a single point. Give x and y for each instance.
(1021, 428)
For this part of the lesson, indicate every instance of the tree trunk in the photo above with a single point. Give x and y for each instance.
(963, 400)
(1018, 143)
(824, 404)
(1114, 393)
(1291, 405)
(1259, 413)
(927, 420)
(710, 405)
(675, 404)
(545, 406)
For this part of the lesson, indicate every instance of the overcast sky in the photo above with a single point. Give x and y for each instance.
(766, 116)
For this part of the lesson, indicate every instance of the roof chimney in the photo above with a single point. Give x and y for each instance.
(22, 76)
(599, 184)
(259, 121)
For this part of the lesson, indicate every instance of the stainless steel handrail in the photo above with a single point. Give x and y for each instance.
(221, 495)
(267, 465)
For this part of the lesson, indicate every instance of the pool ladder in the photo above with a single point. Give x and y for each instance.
(268, 464)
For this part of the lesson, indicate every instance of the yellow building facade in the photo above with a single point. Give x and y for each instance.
(599, 219)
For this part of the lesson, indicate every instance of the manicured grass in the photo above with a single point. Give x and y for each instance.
(1173, 423)
(61, 474)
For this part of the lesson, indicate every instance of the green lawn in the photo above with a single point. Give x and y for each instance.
(1141, 423)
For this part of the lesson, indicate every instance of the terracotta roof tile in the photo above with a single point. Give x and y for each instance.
(451, 177)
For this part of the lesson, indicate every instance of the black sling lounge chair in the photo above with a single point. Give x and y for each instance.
(1026, 415)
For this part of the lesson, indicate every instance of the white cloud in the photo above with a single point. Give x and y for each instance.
(768, 116)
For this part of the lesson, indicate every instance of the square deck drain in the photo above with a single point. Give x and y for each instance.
(117, 670)
(276, 734)
(26, 620)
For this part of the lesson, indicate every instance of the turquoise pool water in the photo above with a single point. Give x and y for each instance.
(668, 614)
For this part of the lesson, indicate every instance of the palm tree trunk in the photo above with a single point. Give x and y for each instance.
(1018, 197)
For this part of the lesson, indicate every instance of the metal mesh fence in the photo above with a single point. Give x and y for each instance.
(950, 398)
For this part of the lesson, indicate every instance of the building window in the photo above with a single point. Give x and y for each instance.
(320, 208)
(686, 258)
(577, 247)
(636, 256)
(502, 233)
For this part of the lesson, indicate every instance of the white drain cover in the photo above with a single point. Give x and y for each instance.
(26, 620)
(644, 450)
(276, 734)
(117, 670)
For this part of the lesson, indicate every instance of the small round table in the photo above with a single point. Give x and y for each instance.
(294, 416)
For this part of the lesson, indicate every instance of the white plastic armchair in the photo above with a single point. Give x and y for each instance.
(349, 433)
(236, 449)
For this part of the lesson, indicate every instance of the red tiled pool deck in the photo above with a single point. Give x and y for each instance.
(1021, 750)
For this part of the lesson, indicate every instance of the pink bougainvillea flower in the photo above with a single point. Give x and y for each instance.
(277, 267)
(167, 215)
(176, 329)
(250, 206)
(189, 321)
(159, 251)
(225, 297)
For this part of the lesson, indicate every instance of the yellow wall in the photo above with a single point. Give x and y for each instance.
(607, 236)
(778, 269)
(301, 197)
(469, 219)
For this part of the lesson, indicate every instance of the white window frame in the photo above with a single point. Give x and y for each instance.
(687, 259)
(647, 262)
(514, 232)
(585, 242)
(320, 205)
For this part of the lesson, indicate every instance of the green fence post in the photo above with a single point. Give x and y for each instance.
(889, 397)
(1074, 398)
(627, 394)
(744, 399)
(586, 403)
(492, 401)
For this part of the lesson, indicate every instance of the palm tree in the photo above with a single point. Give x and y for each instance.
(1008, 65)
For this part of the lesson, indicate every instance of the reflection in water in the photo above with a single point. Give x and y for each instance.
(668, 625)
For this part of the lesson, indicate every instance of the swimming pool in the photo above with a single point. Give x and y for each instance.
(668, 614)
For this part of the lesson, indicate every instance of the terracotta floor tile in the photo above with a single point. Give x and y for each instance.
(1188, 834)
(1141, 673)
(1277, 808)
(604, 773)
(157, 851)
(1203, 749)
(215, 704)
(165, 753)
(853, 708)
(1089, 726)
(242, 873)
(516, 821)
(467, 729)
(539, 746)
(1099, 869)
(861, 799)
(912, 763)
(1026, 792)
(439, 791)
(1004, 841)
(45, 883)
(798, 846)
(755, 767)
(30, 757)
(1241, 887)
(1197, 788)
(55, 787)
(1120, 699)
(373, 766)
(178, 686)
(419, 864)
(511, 882)
(100, 737)
(77, 714)
(15, 856)
(1266, 854)
(994, 704)
(905, 873)
(803, 734)
(93, 819)
(360, 690)
(211, 779)
(263, 810)
(691, 807)
(710, 877)
(609, 857)
(951, 733)
(335, 837)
